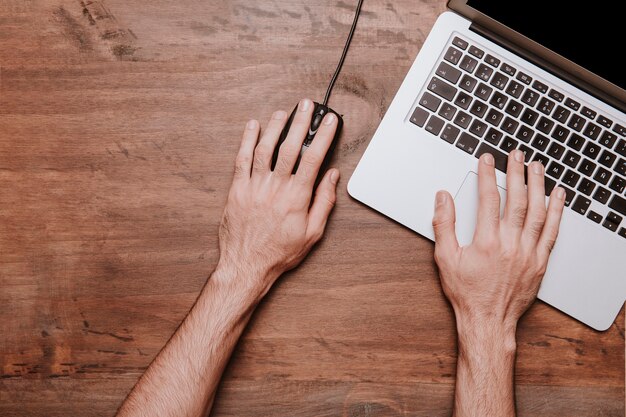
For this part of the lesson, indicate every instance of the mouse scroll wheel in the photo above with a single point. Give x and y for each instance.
(317, 121)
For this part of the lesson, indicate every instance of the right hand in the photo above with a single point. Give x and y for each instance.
(494, 280)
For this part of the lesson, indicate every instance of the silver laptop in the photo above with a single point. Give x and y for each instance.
(495, 76)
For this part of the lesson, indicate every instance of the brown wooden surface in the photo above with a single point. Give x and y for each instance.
(119, 122)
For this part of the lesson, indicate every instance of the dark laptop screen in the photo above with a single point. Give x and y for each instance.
(590, 34)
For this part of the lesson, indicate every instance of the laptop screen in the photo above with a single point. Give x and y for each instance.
(587, 33)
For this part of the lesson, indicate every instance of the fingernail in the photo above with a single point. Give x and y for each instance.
(441, 198)
(519, 156)
(329, 119)
(252, 124)
(537, 168)
(488, 159)
(334, 176)
(305, 104)
(279, 115)
(560, 193)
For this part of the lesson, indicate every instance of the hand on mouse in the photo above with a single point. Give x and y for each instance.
(269, 224)
(492, 282)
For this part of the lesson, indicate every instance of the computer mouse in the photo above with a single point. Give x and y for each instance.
(319, 111)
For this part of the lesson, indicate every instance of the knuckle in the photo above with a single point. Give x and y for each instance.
(536, 227)
(519, 216)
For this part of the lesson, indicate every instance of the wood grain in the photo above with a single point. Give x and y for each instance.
(119, 122)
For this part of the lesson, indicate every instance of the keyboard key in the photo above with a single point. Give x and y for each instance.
(524, 133)
(571, 178)
(453, 55)
(612, 221)
(581, 205)
(591, 150)
(509, 125)
(499, 80)
(556, 95)
(572, 104)
(484, 72)
(618, 184)
(450, 133)
(448, 72)
(621, 147)
(529, 117)
(545, 106)
(615, 218)
(463, 100)
(498, 100)
(607, 158)
(602, 195)
(587, 112)
(571, 159)
(508, 69)
(434, 125)
(508, 144)
(605, 121)
(595, 217)
(478, 53)
(549, 185)
(468, 63)
(493, 136)
(467, 142)
(603, 176)
(514, 89)
(622, 232)
(430, 102)
(569, 196)
(545, 125)
(501, 159)
(618, 204)
(586, 186)
(492, 60)
(530, 97)
(478, 128)
(555, 170)
(576, 142)
(610, 225)
(494, 117)
(620, 168)
(514, 108)
(561, 114)
(483, 92)
(479, 108)
(525, 78)
(442, 88)
(576, 123)
(541, 158)
(539, 86)
(540, 142)
(528, 153)
(468, 83)
(592, 131)
(447, 111)
(560, 133)
(460, 43)
(556, 151)
(620, 130)
(462, 119)
(419, 116)
(607, 139)
(586, 167)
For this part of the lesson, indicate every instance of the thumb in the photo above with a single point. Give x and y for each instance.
(443, 224)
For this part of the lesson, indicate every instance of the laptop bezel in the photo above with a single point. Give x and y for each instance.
(544, 57)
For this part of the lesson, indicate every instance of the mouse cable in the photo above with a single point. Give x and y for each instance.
(343, 54)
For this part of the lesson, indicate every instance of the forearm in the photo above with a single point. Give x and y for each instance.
(183, 378)
(485, 370)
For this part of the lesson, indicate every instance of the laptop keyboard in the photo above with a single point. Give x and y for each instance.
(479, 103)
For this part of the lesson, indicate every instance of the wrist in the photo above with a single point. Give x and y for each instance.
(486, 334)
(244, 277)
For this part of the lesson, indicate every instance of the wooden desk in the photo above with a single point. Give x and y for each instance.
(119, 122)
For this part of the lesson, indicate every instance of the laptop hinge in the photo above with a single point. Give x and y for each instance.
(547, 66)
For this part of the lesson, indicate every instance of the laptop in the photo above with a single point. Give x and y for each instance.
(495, 76)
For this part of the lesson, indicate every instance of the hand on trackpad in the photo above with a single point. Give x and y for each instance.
(466, 202)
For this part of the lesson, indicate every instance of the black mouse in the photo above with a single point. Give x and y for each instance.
(319, 111)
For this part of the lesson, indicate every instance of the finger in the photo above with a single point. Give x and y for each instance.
(444, 221)
(323, 203)
(488, 220)
(314, 156)
(516, 195)
(265, 149)
(290, 148)
(536, 216)
(551, 227)
(243, 161)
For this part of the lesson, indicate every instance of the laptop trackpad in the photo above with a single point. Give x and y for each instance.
(466, 202)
